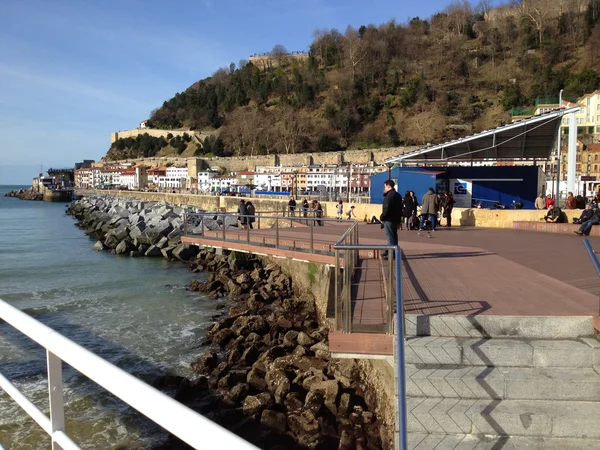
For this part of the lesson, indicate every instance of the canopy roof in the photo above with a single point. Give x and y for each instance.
(529, 138)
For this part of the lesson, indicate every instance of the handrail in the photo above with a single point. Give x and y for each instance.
(592, 254)
(311, 222)
(181, 421)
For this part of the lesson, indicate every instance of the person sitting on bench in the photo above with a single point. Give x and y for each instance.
(585, 215)
(554, 215)
(586, 227)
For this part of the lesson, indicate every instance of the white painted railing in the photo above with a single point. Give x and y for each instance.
(186, 424)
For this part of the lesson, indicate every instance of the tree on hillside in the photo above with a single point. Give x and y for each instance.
(290, 129)
(459, 14)
(279, 54)
(536, 12)
(355, 49)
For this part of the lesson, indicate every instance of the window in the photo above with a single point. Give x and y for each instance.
(589, 167)
(595, 157)
(595, 167)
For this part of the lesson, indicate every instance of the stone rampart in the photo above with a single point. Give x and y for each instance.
(237, 163)
(151, 132)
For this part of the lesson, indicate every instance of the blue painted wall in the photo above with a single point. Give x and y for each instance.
(406, 179)
(420, 179)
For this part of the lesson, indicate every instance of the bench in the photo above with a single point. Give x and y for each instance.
(558, 228)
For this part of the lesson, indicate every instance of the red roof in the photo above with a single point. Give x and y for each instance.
(593, 147)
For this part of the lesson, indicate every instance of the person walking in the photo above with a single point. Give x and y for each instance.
(242, 214)
(391, 214)
(448, 207)
(339, 210)
(350, 213)
(429, 209)
(305, 208)
(251, 214)
(292, 206)
(318, 209)
(540, 203)
(408, 209)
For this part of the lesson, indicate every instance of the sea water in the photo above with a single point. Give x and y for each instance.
(134, 312)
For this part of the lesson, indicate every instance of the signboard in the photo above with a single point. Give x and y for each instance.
(588, 178)
(462, 191)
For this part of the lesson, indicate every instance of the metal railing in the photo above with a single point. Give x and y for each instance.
(189, 426)
(348, 252)
(232, 227)
(592, 255)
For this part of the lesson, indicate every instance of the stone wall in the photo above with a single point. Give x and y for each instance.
(152, 132)
(486, 218)
(237, 163)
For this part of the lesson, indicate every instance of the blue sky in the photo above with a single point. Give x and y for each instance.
(72, 71)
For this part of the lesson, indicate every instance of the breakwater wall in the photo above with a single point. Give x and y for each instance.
(487, 218)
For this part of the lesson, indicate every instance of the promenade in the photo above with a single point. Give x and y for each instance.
(461, 271)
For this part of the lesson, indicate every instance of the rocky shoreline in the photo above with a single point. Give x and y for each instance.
(25, 194)
(130, 227)
(267, 375)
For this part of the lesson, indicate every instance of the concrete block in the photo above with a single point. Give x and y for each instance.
(497, 352)
(562, 353)
(432, 350)
(508, 418)
(553, 384)
(539, 327)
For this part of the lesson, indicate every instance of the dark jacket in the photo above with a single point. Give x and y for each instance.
(392, 207)
(251, 212)
(430, 203)
(449, 203)
(243, 211)
(408, 206)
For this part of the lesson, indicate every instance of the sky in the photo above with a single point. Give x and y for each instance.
(73, 71)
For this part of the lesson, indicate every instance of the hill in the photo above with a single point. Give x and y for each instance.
(425, 81)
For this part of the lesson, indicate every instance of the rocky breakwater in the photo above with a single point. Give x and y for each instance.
(126, 226)
(25, 194)
(270, 374)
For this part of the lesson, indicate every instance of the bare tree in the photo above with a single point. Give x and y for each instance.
(536, 12)
(355, 49)
(279, 54)
(290, 127)
(459, 13)
(484, 7)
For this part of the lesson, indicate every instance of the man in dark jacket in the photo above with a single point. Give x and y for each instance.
(391, 216)
(429, 209)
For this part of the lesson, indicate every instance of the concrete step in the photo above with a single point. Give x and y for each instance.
(567, 353)
(532, 327)
(538, 418)
(504, 383)
(421, 441)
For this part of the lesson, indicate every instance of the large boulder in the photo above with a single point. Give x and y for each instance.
(206, 363)
(274, 420)
(329, 390)
(185, 252)
(154, 251)
(123, 248)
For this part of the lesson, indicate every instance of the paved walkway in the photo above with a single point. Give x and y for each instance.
(463, 271)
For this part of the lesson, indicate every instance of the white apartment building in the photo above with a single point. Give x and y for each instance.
(268, 181)
(175, 177)
(204, 179)
(326, 177)
(219, 183)
(83, 178)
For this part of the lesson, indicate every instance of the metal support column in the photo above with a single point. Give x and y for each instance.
(55, 388)
(572, 155)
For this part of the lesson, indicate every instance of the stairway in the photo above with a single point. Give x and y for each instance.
(498, 393)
